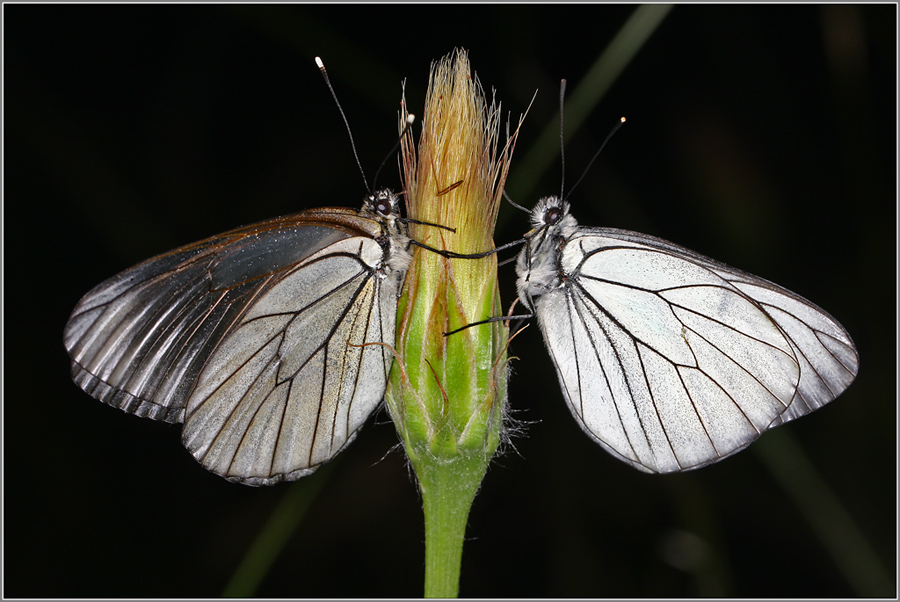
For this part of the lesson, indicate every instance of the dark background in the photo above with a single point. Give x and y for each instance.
(763, 136)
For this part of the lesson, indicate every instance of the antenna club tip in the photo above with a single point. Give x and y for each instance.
(621, 120)
(319, 63)
(410, 119)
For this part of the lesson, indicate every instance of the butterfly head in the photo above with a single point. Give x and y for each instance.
(538, 263)
(383, 204)
(551, 214)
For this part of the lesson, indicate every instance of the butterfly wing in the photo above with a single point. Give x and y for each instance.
(671, 360)
(299, 375)
(256, 339)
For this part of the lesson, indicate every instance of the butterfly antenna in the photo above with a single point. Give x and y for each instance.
(513, 203)
(410, 119)
(321, 66)
(562, 139)
(614, 129)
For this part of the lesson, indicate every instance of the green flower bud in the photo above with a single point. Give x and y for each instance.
(447, 394)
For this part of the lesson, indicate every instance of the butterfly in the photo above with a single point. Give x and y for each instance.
(668, 359)
(269, 342)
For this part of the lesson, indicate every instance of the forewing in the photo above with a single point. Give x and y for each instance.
(139, 340)
(295, 380)
(827, 356)
(672, 361)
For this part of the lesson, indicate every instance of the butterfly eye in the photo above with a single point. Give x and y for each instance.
(552, 216)
(383, 206)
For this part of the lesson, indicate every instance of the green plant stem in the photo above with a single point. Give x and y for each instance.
(448, 490)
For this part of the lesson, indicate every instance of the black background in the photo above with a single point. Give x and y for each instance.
(763, 136)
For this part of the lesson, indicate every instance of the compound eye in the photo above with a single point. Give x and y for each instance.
(552, 216)
(383, 206)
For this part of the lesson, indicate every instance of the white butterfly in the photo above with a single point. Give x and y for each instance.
(668, 359)
(259, 339)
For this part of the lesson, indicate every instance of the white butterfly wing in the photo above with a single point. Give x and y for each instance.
(672, 361)
(256, 339)
(298, 377)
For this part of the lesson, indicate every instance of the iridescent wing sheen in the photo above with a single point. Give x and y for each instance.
(259, 340)
(671, 360)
